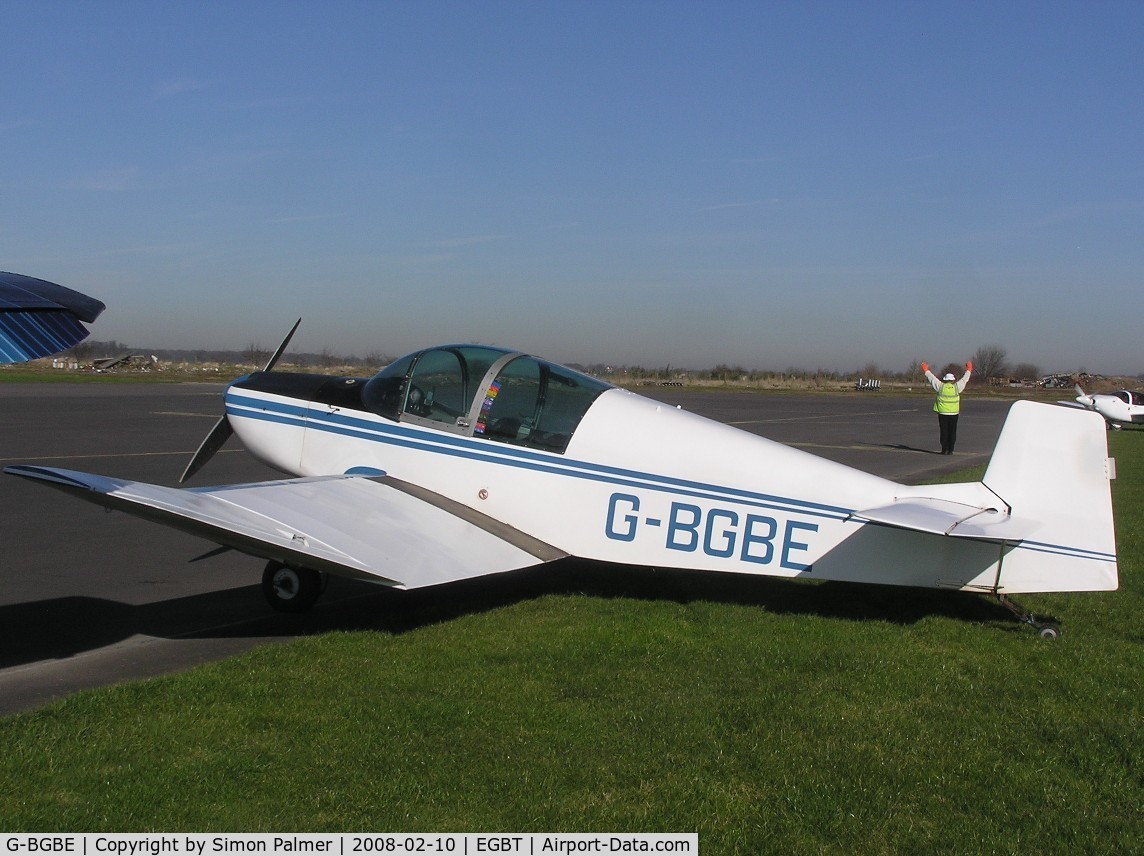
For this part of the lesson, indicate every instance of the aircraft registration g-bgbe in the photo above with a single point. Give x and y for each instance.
(464, 460)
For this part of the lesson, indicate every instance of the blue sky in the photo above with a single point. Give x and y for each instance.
(774, 185)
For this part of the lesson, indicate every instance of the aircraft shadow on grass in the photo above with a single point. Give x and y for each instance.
(60, 628)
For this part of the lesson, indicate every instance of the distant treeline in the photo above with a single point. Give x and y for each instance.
(989, 362)
(254, 354)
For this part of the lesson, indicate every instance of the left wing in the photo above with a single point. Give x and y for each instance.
(375, 528)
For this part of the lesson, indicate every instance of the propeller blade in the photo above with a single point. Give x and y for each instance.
(282, 347)
(222, 431)
(219, 434)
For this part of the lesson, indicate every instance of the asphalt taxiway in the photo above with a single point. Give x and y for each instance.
(90, 598)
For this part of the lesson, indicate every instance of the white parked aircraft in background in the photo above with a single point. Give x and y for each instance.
(1123, 407)
(465, 460)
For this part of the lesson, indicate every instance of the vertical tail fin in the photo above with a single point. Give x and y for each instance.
(1051, 466)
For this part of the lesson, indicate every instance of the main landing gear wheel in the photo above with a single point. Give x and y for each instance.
(291, 589)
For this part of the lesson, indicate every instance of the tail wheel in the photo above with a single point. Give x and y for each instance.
(291, 589)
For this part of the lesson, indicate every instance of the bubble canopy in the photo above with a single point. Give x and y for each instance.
(481, 391)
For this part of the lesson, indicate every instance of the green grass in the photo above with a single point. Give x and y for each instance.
(22, 374)
(769, 716)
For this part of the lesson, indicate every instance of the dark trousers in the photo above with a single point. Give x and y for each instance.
(947, 426)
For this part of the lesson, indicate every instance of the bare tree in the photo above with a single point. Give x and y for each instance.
(989, 361)
(81, 353)
(376, 360)
(255, 354)
(1026, 371)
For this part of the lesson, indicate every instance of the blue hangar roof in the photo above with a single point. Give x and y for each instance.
(39, 318)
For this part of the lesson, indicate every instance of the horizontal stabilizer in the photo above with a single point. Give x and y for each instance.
(378, 529)
(945, 517)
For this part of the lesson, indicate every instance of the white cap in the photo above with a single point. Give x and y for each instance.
(949, 376)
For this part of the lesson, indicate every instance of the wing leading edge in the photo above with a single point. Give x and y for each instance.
(374, 528)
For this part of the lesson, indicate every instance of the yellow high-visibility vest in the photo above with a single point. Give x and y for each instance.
(948, 399)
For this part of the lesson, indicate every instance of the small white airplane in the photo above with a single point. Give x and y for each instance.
(464, 460)
(1120, 408)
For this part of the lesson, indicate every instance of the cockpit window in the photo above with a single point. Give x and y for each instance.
(438, 384)
(511, 403)
(384, 393)
(445, 380)
(536, 404)
(437, 387)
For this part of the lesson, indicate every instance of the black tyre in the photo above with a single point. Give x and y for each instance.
(1049, 631)
(290, 589)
